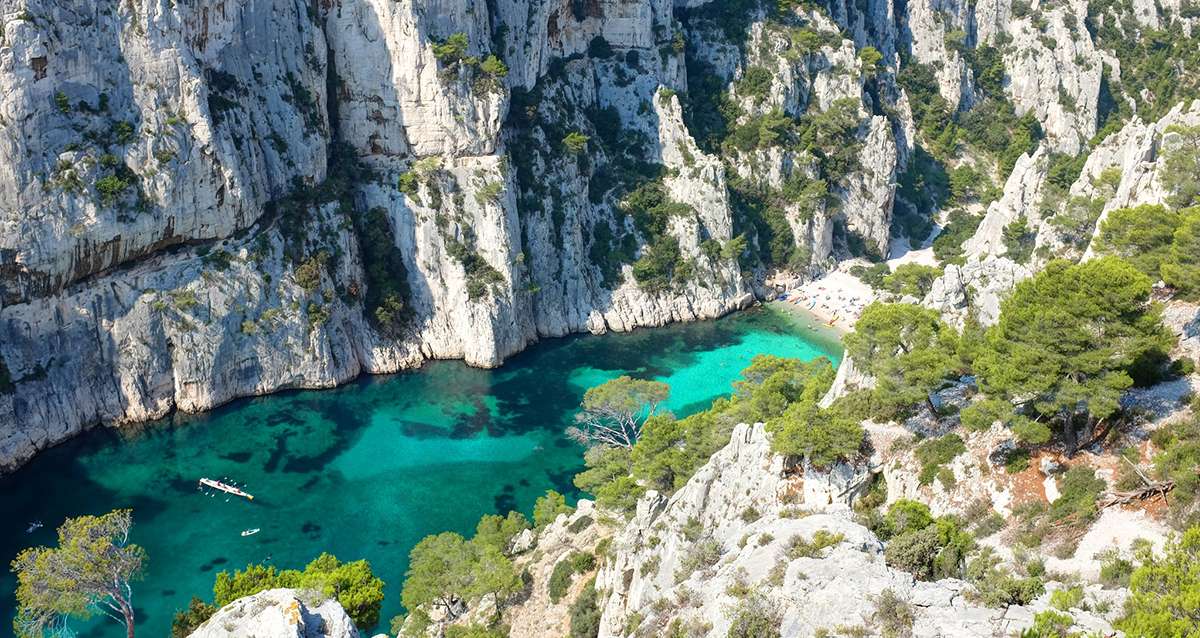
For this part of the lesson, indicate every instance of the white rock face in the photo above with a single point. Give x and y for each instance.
(745, 512)
(136, 139)
(977, 286)
(204, 112)
(1022, 192)
(1054, 71)
(1136, 156)
(278, 613)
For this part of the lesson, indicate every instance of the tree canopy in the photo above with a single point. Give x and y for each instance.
(909, 352)
(1165, 598)
(353, 585)
(1066, 340)
(89, 571)
(612, 413)
(447, 570)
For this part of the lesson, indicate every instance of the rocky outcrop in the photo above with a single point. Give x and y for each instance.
(975, 288)
(1127, 169)
(170, 178)
(721, 545)
(278, 613)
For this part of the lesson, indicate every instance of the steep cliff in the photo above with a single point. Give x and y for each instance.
(206, 200)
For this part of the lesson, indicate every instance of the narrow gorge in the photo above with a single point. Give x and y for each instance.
(993, 204)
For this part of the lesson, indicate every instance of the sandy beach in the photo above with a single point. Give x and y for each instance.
(836, 300)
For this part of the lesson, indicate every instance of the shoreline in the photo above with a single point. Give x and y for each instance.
(836, 301)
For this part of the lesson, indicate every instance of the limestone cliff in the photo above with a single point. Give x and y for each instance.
(278, 613)
(214, 199)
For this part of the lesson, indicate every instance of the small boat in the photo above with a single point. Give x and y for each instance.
(33, 527)
(224, 487)
(250, 532)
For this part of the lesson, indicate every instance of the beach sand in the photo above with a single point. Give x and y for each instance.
(836, 300)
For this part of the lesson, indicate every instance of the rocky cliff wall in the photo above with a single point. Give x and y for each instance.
(206, 200)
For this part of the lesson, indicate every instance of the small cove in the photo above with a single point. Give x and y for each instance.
(368, 469)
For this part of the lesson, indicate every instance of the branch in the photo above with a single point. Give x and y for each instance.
(1151, 490)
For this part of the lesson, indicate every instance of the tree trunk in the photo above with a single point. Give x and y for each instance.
(127, 610)
(1070, 437)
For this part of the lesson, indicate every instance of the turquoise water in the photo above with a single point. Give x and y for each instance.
(365, 470)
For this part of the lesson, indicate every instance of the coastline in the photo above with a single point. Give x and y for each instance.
(834, 302)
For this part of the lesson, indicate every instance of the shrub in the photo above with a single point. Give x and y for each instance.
(585, 613)
(894, 616)
(754, 617)
(995, 587)
(799, 547)
(1066, 599)
(110, 188)
(187, 620)
(575, 142)
(701, 555)
(452, 50)
(1165, 593)
(934, 453)
(547, 508)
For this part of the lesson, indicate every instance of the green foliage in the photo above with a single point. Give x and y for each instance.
(934, 453)
(1158, 241)
(613, 413)
(873, 275)
(911, 279)
(893, 615)
(937, 549)
(446, 571)
(821, 437)
(1066, 599)
(352, 584)
(565, 570)
(89, 570)
(754, 617)
(1165, 598)
(387, 278)
(187, 620)
(607, 476)
(904, 516)
(1181, 268)
(1142, 236)
(547, 508)
(480, 274)
(960, 226)
(475, 630)
(62, 102)
(575, 142)
(585, 613)
(1181, 174)
(498, 531)
(870, 57)
(1049, 624)
(1177, 460)
(452, 50)
(997, 587)
(493, 67)
(756, 83)
(909, 351)
(1019, 241)
(1066, 340)
(110, 188)
(800, 547)
(662, 266)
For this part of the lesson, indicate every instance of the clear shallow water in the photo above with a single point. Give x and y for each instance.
(365, 470)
